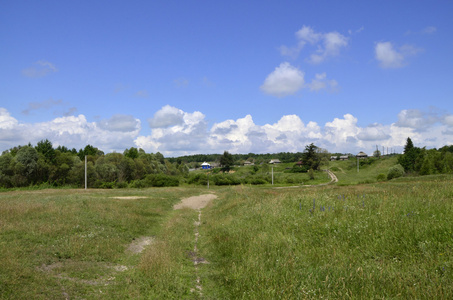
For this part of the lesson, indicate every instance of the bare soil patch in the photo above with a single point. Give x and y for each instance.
(195, 202)
(138, 245)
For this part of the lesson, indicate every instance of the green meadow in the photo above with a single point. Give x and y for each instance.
(358, 238)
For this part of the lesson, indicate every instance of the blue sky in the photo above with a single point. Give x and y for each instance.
(186, 77)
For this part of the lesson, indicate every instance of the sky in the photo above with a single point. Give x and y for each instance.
(201, 77)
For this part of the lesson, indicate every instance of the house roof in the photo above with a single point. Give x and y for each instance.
(205, 164)
(361, 153)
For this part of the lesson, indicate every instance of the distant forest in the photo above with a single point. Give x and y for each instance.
(43, 164)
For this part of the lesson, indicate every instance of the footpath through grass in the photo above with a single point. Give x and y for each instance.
(380, 240)
(57, 244)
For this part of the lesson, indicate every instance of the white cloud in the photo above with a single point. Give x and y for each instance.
(40, 68)
(285, 80)
(166, 116)
(374, 133)
(71, 131)
(327, 44)
(417, 119)
(6, 121)
(321, 82)
(333, 42)
(389, 57)
(173, 130)
(448, 120)
(190, 133)
(122, 123)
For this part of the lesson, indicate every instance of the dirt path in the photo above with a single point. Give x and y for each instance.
(197, 203)
(333, 179)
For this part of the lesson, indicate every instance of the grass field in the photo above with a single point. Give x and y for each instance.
(380, 240)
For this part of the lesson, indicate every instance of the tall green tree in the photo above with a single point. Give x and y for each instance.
(311, 157)
(226, 161)
(45, 148)
(409, 159)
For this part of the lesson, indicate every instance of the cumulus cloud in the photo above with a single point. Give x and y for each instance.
(285, 80)
(374, 133)
(417, 119)
(122, 123)
(70, 131)
(173, 130)
(390, 57)
(189, 133)
(40, 68)
(327, 44)
(166, 116)
(6, 121)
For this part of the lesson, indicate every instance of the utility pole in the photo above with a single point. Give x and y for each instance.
(86, 172)
(272, 175)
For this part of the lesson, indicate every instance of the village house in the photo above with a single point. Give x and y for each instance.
(362, 155)
(275, 161)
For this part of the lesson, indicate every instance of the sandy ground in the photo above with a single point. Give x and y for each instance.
(195, 202)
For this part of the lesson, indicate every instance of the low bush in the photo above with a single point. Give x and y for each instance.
(381, 177)
(395, 172)
(161, 180)
(199, 178)
(225, 179)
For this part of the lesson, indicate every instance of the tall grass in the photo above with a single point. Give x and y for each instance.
(384, 241)
(381, 240)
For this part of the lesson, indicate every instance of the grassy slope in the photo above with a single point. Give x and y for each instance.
(347, 170)
(387, 240)
(381, 240)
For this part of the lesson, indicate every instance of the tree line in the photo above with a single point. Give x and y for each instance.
(27, 165)
(424, 161)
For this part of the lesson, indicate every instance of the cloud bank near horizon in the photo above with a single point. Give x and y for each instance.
(174, 132)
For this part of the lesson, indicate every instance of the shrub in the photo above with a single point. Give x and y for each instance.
(395, 172)
(225, 179)
(381, 177)
(137, 184)
(198, 178)
(161, 180)
(121, 185)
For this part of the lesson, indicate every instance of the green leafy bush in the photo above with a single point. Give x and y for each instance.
(381, 177)
(395, 172)
(198, 178)
(161, 180)
(225, 179)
